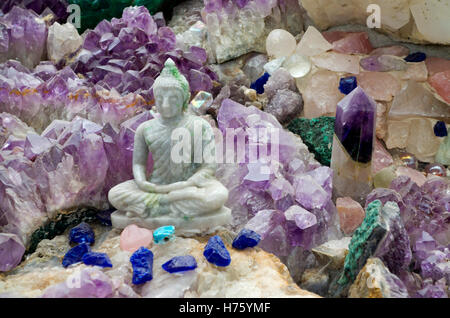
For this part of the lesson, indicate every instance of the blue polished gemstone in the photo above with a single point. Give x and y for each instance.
(142, 263)
(347, 84)
(82, 233)
(440, 129)
(180, 264)
(97, 259)
(246, 238)
(216, 252)
(75, 254)
(163, 234)
(258, 85)
(416, 57)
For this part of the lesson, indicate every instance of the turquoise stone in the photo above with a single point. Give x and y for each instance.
(163, 234)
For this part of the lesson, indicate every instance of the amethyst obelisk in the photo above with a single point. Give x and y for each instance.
(353, 143)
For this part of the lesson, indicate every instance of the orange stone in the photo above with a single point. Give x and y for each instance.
(441, 83)
(351, 214)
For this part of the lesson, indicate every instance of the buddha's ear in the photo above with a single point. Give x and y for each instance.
(186, 102)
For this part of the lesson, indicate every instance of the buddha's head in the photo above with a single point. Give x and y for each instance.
(171, 91)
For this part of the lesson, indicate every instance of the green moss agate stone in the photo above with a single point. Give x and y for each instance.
(317, 135)
(363, 245)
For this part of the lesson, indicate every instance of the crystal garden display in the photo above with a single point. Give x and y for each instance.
(224, 148)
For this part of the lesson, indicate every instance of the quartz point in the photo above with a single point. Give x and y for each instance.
(353, 145)
(312, 43)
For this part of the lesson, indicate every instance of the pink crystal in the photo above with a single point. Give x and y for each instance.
(381, 158)
(441, 83)
(321, 94)
(351, 214)
(379, 85)
(133, 237)
(396, 50)
(437, 65)
(349, 42)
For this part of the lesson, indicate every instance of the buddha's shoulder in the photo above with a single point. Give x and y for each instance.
(152, 123)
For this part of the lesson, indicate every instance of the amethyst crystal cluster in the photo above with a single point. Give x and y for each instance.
(71, 164)
(425, 214)
(288, 200)
(128, 53)
(39, 96)
(23, 36)
(57, 7)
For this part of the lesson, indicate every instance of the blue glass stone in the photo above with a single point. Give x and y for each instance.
(180, 264)
(347, 84)
(258, 85)
(163, 234)
(246, 238)
(104, 217)
(97, 259)
(75, 254)
(82, 233)
(440, 129)
(142, 263)
(216, 252)
(416, 57)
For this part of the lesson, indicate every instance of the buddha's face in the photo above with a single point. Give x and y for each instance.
(169, 101)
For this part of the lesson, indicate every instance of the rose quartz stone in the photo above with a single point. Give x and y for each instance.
(416, 71)
(381, 157)
(436, 65)
(416, 176)
(381, 124)
(381, 86)
(349, 42)
(351, 214)
(133, 237)
(321, 94)
(337, 62)
(441, 83)
(396, 50)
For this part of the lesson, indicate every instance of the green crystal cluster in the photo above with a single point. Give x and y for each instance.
(317, 135)
(94, 11)
(364, 242)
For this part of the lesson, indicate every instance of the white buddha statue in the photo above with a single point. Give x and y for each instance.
(184, 194)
